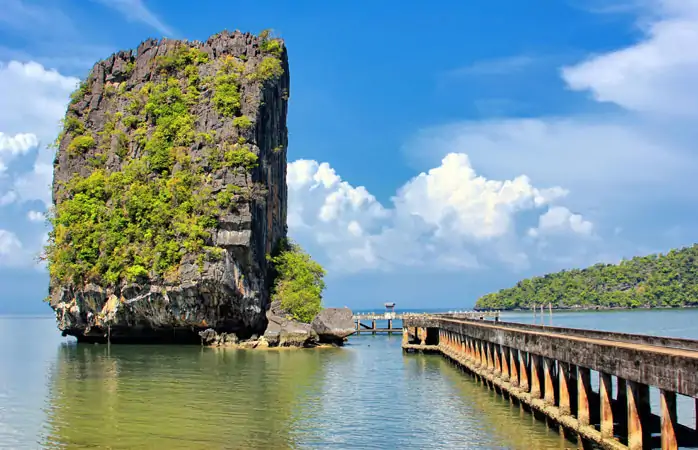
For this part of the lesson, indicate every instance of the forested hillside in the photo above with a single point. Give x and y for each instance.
(644, 281)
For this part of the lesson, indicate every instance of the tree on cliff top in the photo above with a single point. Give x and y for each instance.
(298, 284)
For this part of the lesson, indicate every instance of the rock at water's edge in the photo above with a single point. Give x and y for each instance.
(333, 325)
(230, 293)
(285, 332)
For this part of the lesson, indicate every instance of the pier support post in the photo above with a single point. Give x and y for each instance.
(421, 333)
(505, 363)
(548, 377)
(523, 373)
(605, 391)
(563, 390)
(405, 337)
(620, 409)
(668, 404)
(583, 392)
(481, 354)
(497, 360)
(514, 364)
(535, 375)
(490, 362)
(639, 434)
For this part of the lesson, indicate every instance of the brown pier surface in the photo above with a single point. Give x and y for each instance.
(547, 371)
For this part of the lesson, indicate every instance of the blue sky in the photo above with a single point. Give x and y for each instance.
(438, 151)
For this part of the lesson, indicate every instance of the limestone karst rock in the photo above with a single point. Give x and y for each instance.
(170, 191)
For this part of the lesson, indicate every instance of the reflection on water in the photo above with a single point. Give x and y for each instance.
(367, 395)
(181, 397)
(56, 394)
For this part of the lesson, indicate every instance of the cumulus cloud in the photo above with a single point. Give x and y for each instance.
(596, 158)
(11, 146)
(34, 101)
(17, 144)
(35, 216)
(16, 253)
(447, 217)
(559, 219)
(11, 251)
(7, 198)
(656, 75)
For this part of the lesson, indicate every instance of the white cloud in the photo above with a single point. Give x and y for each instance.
(135, 10)
(656, 75)
(17, 144)
(7, 198)
(11, 146)
(15, 253)
(446, 218)
(35, 216)
(11, 251)
(34, 101)
(597, 158)
(559, 219)
(456, 201)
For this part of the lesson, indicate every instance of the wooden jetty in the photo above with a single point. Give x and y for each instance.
(547, 371)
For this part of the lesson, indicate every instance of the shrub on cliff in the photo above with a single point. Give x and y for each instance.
(298, 283)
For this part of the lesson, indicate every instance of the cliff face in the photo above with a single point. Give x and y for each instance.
(170, 190)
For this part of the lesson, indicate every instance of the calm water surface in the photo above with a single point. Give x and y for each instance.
(56, 394)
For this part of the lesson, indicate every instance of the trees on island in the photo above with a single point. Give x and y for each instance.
(659, 280)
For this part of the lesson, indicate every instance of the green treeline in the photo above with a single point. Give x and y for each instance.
(644, 281)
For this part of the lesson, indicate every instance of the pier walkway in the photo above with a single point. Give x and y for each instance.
(548, 371)
(391, 317)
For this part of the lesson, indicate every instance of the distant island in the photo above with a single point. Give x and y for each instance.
(654, 281)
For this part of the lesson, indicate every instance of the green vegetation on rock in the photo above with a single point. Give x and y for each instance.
(181, 57)
(226, 97)
(157, 210)
(242, 122)
(668, 280)
(299, 283)
(80, 144)
(269, 68)
(270, 44)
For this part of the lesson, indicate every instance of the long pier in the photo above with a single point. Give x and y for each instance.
(391, 317)
(547, 371)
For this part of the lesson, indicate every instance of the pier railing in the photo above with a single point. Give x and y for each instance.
(548, 371)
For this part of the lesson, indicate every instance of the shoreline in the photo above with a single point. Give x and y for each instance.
(589, 308)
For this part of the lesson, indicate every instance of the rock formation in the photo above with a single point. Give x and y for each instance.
(330, 326)
(170, 191)
(333, 325)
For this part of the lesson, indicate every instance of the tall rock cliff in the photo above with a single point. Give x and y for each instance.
(170, 191)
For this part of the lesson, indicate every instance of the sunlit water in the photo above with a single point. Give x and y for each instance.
(56, 394)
